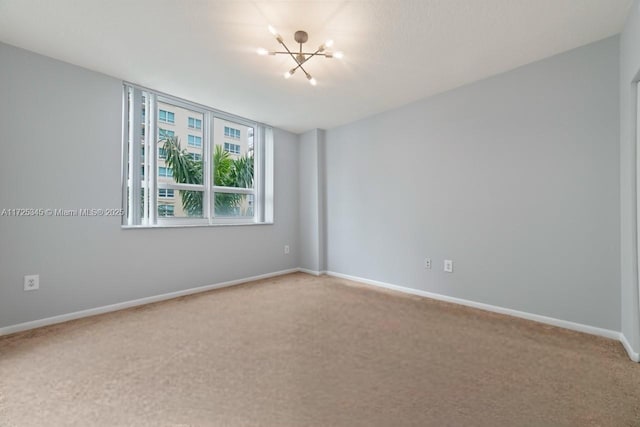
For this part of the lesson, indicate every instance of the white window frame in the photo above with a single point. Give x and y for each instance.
(133, 183)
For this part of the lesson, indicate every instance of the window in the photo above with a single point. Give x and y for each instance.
(231, 132)
(165, 193)
(231, 148)
(165, 209)
(166, 116)
(164, 134)
(231, 184)
(164, 171)
(195, 141)
(195, 123)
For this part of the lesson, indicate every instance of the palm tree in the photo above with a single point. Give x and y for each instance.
(186, 170)
(227, 172)
(224, 203)
(242, 172)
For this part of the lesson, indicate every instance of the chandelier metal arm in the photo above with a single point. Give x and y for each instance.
(303, 70)
(288, 51)
(275, 52)
(311, 55)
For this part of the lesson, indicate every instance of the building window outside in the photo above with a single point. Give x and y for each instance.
(231, 132)
(195, 123)
(165, 210)
(165, 172)
(164, 134)
(231, 148)
(166, 193)
(195, 141)
(166, 116)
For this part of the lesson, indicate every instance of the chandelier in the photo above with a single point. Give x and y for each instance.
(300, 57)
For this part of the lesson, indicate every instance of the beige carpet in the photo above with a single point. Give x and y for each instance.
(300, 350)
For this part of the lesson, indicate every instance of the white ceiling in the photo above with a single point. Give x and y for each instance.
(396, 51)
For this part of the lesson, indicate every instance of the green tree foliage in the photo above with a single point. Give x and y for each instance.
(227, 172)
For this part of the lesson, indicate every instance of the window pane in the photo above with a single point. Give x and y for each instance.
(234, 205)
(195, 141)
(233, 161)
(164, 172)
(164, 134)
(166, 209)
(180, 146)
(166, 116)
(166, 193)
(195, 123)
(180, 203)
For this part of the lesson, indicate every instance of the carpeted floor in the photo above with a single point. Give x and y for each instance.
(299, 350)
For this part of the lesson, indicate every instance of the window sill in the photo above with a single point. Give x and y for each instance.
(240, 224)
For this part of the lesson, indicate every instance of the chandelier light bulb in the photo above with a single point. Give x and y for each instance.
(312, 80)
(328, 43)
(272, 30)
(262, 51)
(338, 55)
(289, 73)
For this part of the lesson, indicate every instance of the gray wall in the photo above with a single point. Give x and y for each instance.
(312, 197)
(61, 148)
(514, 178)
(308, 164)
(629, 72)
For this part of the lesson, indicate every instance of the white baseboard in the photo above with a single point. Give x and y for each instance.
(134, 303)
(593, 330)
(312, 272)
(633, 355)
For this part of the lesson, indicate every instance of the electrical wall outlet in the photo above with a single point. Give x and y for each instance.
(427, 263)
(287, 250)
(448, 266)
(32, 282)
